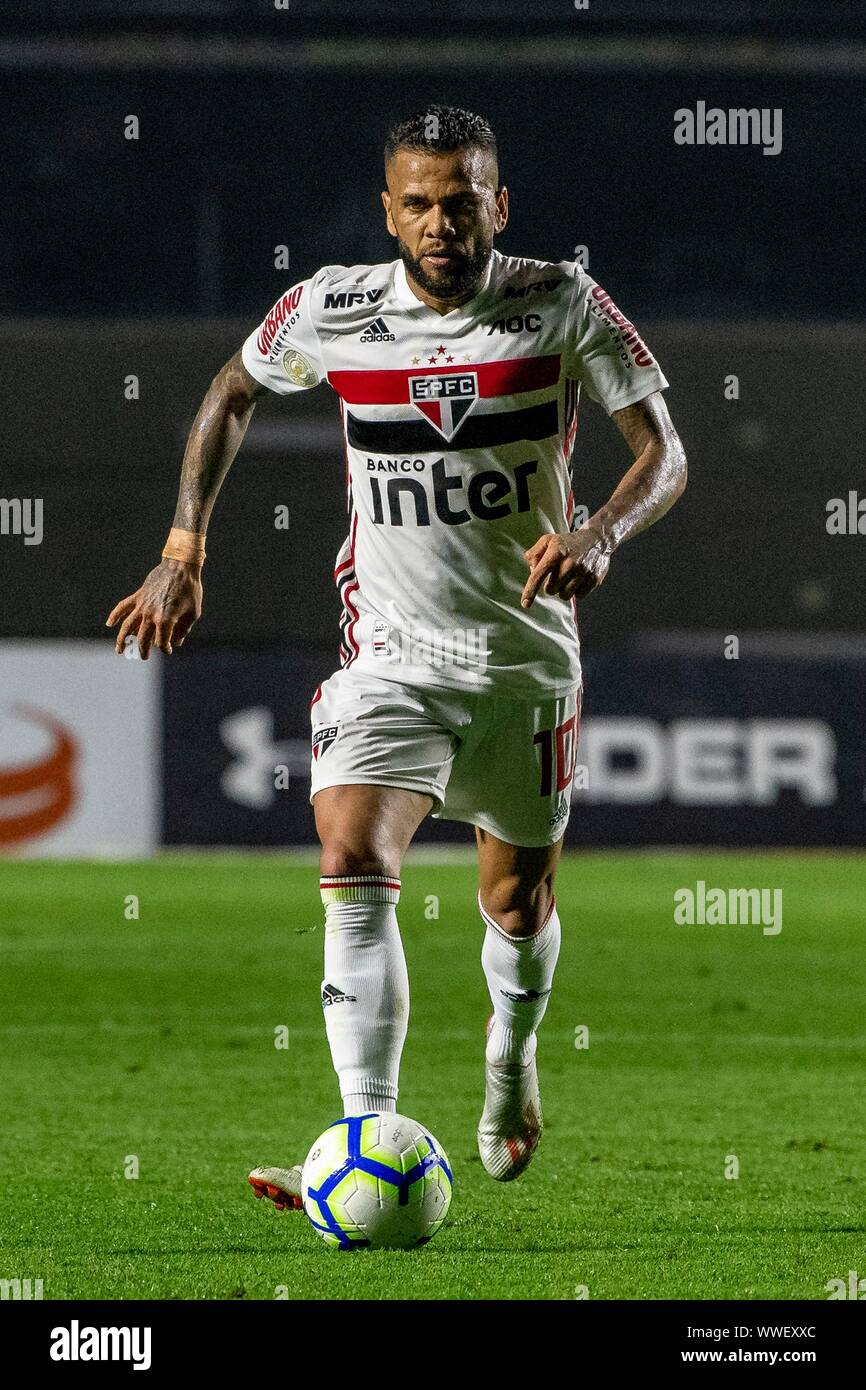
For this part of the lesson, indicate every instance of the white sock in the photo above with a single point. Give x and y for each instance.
(365, 992)
(521, 967)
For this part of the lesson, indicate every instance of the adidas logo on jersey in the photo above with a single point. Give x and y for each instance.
(377, 332)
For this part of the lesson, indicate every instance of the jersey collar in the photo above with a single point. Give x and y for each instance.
(406, 296)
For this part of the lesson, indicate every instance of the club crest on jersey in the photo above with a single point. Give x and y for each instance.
(322, 740)
(444, 399)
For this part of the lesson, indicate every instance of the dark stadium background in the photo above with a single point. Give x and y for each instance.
(261, 128)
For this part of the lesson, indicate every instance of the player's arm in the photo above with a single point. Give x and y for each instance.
(164, 608)
(574, 564)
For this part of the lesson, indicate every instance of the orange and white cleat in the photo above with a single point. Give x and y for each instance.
(511, 1125)
(282, 1185)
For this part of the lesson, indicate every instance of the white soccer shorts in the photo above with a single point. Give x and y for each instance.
(497, 762)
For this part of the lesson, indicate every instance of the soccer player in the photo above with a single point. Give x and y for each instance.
(458, 371)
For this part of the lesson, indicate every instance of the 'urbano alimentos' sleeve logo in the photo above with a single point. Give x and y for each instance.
(605, 310)
(282, 316)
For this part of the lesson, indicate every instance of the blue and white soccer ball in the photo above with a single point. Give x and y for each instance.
(378, 1181)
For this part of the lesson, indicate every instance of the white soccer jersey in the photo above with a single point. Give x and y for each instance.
(458, 429)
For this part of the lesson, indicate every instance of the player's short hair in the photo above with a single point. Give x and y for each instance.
(435, 129)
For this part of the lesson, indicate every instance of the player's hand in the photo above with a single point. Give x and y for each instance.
(162, 611)
(569, 565)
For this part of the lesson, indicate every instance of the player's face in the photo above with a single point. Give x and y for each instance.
(444, 209)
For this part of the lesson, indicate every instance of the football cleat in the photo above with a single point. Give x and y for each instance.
(282, 1185)
(510, 1127)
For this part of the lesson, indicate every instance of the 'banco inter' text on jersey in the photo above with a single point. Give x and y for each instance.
(459, 429)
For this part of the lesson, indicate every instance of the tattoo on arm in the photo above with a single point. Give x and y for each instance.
(656, 478)
(214, 439)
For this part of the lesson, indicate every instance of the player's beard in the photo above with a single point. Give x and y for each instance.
(462, 279)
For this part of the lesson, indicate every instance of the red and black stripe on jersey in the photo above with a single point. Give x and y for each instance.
(484, 431)
(483, 428)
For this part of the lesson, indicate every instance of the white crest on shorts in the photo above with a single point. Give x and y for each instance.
(323, 737)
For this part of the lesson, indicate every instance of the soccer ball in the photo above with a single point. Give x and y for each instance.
(377, 1180)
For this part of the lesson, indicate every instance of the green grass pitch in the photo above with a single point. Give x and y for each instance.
(155, 1039)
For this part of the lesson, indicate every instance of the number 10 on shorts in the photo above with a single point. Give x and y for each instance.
(558, 755)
